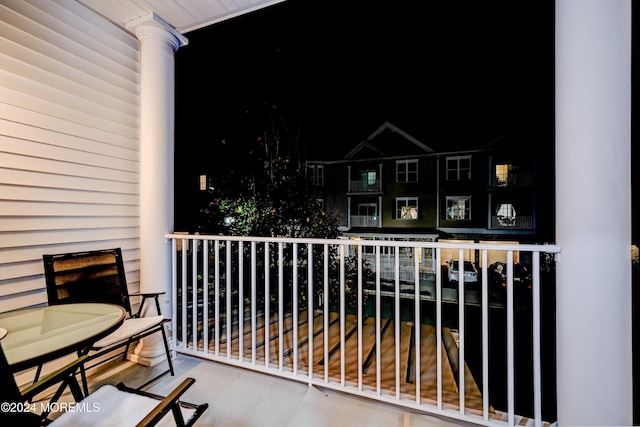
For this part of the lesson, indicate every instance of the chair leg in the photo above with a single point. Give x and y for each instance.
(126, 350)
(74, 387)
(37, 375)
(170, 370)
(177, 415)
(168, 351)
(83, 375)
(38, 372)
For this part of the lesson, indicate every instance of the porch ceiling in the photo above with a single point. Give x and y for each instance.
(183, 15)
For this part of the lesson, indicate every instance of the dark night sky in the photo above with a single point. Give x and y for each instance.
(452, 74)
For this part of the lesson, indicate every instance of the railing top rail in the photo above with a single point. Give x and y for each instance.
(547, 248)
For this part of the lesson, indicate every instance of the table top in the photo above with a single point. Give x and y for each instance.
(39, 335)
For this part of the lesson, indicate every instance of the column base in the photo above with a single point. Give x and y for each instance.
(148, 352)
(146, 360)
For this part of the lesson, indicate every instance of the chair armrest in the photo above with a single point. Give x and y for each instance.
(169, 403)
(63, 375)
(145, 296)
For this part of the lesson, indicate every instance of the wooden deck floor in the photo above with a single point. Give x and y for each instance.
(388, 382)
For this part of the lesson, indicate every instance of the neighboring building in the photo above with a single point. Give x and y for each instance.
(385, 184)
(492, 192)
(392, 186)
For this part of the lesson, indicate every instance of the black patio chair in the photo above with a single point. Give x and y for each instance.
(15, 402)
(119, 405)
(123, 406)
(99, 276)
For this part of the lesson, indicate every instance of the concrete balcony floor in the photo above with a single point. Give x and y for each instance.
(239, 397)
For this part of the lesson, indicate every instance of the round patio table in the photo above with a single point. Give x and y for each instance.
(39, 335)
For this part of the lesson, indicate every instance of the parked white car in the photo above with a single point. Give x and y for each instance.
(470, 272)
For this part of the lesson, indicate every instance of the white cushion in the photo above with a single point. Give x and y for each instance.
(109, 406)
(129, 328)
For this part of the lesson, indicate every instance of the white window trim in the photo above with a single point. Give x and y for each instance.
(368, 205)
(406, 163)
(317, 174)
(457, 168)
(466, 209)
(408, 201)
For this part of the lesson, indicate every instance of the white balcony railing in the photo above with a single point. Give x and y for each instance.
(316, 311)
(365, 221)
(360, 186)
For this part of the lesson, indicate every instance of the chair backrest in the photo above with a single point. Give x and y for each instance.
(9, 391)
(91, 276)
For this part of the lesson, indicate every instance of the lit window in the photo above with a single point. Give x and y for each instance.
(502, 174)
(368, 179)
(407, 208)
(407, 171)
(458, 168)
(204, 183)
(506, 215)
(458, 208)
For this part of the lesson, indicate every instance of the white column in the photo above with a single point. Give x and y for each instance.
(158, 42)
(593, 218)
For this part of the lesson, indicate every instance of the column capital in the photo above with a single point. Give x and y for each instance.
(151, 25)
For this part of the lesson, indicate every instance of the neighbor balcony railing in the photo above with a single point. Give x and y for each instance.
(388, 270)
(365, 221)
(520, 222)
(520, 179)
(360, 186)
(316, 311)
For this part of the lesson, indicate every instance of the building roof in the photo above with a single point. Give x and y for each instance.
(387, 141)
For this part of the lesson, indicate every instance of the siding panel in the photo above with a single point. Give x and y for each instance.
(32, 149)
(24, 132)
(69, 196)
(23, 224)
(14, 176)
(60, 167)
(69, 148)
(44, 33)
(65, 127)
(24, 209)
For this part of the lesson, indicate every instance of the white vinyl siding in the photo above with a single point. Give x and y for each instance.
(69, 145)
